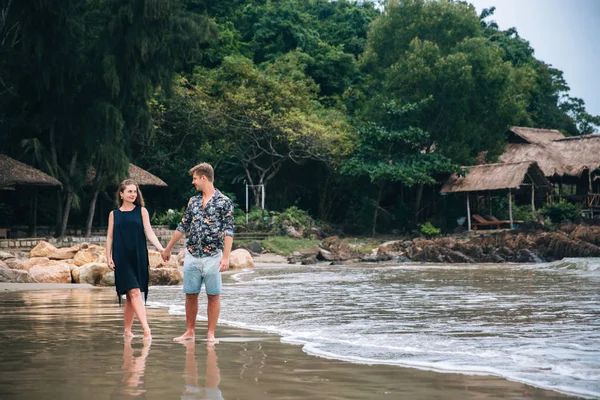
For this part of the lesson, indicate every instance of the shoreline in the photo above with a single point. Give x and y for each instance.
(78, 331)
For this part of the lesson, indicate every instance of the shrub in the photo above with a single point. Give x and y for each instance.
(428, 230)
(561, 211)
(524, 213)
(170, 218)
(273, 221)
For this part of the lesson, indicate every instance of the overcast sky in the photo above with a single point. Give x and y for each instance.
(563, 33)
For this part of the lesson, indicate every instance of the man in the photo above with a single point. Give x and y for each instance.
(208, 226)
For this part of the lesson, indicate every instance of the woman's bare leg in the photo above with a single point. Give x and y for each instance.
(128, 318)
(140, 311)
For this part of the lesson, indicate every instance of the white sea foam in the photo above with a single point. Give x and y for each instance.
(535, 324)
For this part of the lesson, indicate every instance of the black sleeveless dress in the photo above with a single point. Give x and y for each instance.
(130, 252)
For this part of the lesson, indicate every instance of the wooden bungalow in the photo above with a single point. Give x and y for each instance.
(17, 175)
(572, 164)
(524, 180)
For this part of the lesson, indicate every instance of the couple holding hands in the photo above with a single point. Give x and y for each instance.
(208, 226)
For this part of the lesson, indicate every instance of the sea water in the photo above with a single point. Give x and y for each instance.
(537, 324)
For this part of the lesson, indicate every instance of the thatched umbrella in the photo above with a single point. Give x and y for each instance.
(143, 177)
(17, 175)
(140, 175)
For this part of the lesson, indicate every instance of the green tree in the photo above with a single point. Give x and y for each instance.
(395, 152)
(434, 49)
(270, 117)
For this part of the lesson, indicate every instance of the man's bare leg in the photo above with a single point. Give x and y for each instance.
(191, 311)
(213, 310)
(128, 317)
(140, 311)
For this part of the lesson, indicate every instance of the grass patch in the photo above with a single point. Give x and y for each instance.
(285, 246)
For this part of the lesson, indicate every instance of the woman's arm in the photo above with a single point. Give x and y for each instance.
(109, 241)
(149, 232)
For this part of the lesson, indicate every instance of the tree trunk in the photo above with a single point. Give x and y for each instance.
(376, 212)
(70, 195)
(92, 210)
(59, 198)
(418, 198)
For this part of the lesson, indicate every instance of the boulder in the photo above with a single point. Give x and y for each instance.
(89, 254)
(108, 279)
(589, 234)
(341, 251)
(51, 273)
(13, 263)
(43, 249)
(165, 276)
(27, 263)
(3, 265)
(254, 246)
(293, 233)
(75, 270)
(240, 258)
(4, 255)
(15, 276)
(324, 255)
(65, 253)
(92, 272)
(309, 260)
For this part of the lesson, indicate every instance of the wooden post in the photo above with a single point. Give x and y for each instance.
(533, 198)
(33, 206)
(510, 208)
(468, 212)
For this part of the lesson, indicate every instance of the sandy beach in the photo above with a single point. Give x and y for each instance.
(66, 343)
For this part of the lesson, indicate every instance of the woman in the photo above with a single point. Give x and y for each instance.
(127, 253)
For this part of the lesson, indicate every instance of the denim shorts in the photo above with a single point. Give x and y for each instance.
(199, 270)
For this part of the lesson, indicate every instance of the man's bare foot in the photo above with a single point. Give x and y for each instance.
(147, 335)
(128, 335)
(210, 338)
(185, 336)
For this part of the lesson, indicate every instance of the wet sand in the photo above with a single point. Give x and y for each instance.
(66, 344)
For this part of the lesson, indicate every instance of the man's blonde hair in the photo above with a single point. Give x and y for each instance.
(204, 169)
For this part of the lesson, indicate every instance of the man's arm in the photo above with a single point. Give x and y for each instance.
(228, 242)
(177, 235)
(182, 229)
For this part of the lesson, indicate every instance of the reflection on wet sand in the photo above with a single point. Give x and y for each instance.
(132, 384)
(191, 390)
(59, 345)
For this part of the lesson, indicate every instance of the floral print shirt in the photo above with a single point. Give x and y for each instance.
(206, 228)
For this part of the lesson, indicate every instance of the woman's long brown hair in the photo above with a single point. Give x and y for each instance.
(139, 200)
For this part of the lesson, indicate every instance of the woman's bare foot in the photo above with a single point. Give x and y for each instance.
(147, 335)
(186, 336)
(128, 335)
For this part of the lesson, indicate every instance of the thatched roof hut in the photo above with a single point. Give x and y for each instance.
(491, 177)
(556, 154)
(520, 178)
(15, 173)
(140, 175)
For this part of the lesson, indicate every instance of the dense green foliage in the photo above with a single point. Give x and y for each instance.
(561, 211)
(350, 111)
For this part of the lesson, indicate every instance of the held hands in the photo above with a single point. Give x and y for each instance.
(166, 254)
(223, 264)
